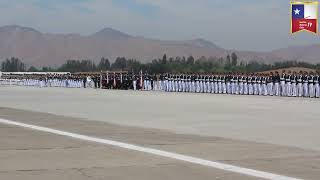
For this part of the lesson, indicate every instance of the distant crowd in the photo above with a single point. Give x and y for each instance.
(289, 84)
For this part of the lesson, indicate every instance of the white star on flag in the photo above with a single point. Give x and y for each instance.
(297, 11)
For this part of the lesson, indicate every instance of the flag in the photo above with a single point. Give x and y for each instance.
(107, 77)
(114, 80)
(141, 80)
(304, 16)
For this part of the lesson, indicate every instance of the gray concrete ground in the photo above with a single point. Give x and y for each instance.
(30, 155)
(277, 135)
(27, 154)
(282, 121)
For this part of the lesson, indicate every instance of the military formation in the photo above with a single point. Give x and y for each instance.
(261, 84)
(286, 84)
(66, 80)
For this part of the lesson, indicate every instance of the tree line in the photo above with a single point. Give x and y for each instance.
(165, 64)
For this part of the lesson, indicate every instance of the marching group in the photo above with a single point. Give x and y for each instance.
(289, 84)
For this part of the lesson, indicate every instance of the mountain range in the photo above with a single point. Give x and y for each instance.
(45, 49)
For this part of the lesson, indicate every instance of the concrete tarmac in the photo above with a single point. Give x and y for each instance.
(282, 121)
(213, 127)
(27, 154)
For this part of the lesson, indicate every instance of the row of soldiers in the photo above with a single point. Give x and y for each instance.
(301, 84)
(49, 80)
(290, 84)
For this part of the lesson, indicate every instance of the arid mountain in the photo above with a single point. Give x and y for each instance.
(309, 53)
(39, 49)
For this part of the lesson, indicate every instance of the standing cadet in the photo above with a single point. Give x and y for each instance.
(219, 82)
(305, 84)
(84, 80)
(288, 84)
(299, 85)
(228, 83)
(272, 79)
(245, 85)
(224, 83)
(250, 85)
(316, 86)
(241, 84)
(259, 84)
(283, 84)
(254, 81)
(265, 84)
(311, 83)
(294, 84)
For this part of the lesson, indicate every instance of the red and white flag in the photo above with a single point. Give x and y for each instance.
(304, 16)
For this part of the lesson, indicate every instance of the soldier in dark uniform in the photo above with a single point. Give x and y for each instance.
(95, 81)
(84, 80)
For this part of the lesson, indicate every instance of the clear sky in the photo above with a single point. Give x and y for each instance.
(235, 24)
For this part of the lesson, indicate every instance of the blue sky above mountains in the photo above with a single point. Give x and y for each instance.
(243, 24)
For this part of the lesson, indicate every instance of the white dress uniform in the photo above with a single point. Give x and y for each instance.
(255, 87)
(215, 82)
(228, 84)
(305, 86)
(283, 85)
(299, 86)
(241, 85)
(288, 85)
(311, 87)
(316, 86)
(201, 84)
(294, 85)
(212, 83)
(219, 82)
(250, 85)
(179, 81)
(232, 85)
(264, 89)
(259, 85)
(224, 85)
(270, 86)
(245, 85)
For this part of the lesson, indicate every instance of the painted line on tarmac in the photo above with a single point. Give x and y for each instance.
(190, 159)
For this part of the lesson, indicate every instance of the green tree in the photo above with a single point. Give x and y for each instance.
(119, 64)
(33, 69)
(228, 63)
(164, 59)
(104, 64)
(13, 65)
(190, 60)
(234, 59)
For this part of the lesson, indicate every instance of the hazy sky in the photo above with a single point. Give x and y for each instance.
(235, 24)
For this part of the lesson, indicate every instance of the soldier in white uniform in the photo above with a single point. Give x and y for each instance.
(219, 82)
(264, 84)
(316, 86)
(250, 85)
(311, 86)
(299, 85)
(271, 81)
(306, 85)
(288, 84)
(241, 84)
(294, 84)
(245, 85)
(255, 87)
(283, 84)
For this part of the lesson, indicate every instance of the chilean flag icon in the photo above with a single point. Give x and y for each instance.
(304, 16)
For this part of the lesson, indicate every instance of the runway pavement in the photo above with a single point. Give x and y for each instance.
(268, 134)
